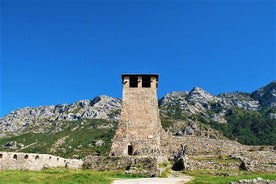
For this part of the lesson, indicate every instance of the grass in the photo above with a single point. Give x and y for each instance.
(60, 176)
(225, 177)
(166, 167)
(67, 176)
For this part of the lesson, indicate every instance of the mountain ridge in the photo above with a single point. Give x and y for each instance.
(191, 106)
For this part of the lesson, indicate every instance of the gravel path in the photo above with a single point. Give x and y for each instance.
(173, 180)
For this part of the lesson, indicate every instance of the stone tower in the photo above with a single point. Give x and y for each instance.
(138, 131)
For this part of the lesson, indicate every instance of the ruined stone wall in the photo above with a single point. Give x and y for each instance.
(200, 145)
(148, 165)
(213, 165)
(140, 125)
(216, 154)
(262, 161)
(31, 161)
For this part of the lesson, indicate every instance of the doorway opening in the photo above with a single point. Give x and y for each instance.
(129, 149)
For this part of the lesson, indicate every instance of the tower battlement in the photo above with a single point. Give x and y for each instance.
(138, 131)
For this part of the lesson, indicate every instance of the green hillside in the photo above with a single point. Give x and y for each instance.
(75, 139)
(249, 127)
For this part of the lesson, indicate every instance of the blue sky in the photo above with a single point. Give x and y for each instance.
(58, 51)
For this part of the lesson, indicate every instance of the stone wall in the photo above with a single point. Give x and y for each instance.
(262, 161)
(200, 145)
(31, 161)
(134, 165)
(213, 165)
(216, 154)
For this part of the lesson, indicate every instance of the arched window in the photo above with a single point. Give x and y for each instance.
(1, 156)
(15, 157)
(26, 156)
(36, 157)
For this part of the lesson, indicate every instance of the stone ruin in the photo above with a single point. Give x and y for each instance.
(31, 161)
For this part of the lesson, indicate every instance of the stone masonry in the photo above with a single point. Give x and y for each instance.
(32, 161)
(138, 132)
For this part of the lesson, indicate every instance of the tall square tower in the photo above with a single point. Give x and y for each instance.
(138, 131)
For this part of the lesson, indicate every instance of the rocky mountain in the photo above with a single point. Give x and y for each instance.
(182, 113)
(199, 102)
(266, 95)
(249, 118)
(212, 107)
(21, 120)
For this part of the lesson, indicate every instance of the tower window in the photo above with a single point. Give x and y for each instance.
(129, 149)
(133, 81)
(146, 81)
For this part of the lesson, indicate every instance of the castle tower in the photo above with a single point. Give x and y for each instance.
(138, 131)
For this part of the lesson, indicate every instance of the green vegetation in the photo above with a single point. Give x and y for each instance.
(66, 139)
(113, 113)
(246, 127)
(75, 110)
(66, 176)
(166, 167)
(175, 112)
(61, 176)
(249, 127)
(220, 177)
(166, 122)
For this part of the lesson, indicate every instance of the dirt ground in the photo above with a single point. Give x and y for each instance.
(170, 180)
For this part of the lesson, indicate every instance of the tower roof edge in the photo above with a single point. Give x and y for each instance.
(140, 74)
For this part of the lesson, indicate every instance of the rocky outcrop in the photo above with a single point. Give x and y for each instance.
(18, 121)
(193, 128)
(199, 103)
(198, 95)
(266, 95)
(240, 100)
